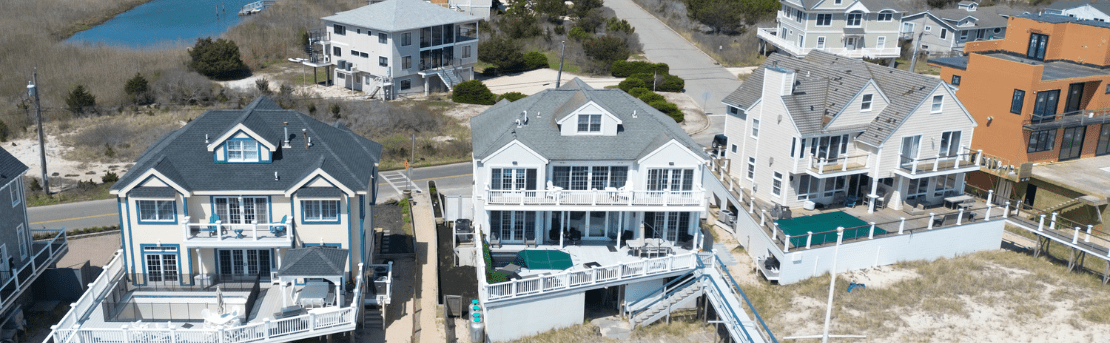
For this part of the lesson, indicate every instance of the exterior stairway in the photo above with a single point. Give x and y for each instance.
(681, 296)
(1061, 206)
(449, 77)
(373, 319)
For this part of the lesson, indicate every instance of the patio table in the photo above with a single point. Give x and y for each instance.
(952, 202)
(313, 294)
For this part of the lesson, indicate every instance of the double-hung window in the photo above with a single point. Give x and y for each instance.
(865, 106)
(320, 210)
(821, 42)
(242, 151)
(22, 240)
(156, 211)
(755, 128)
(855, 19)
(383, 38)
(340, 29)
(886, 16)
(406, 39)
(776, 185)
(938, 102)
(751, 168)
(16, 190)
(589, 123)
(383, 61)
(824, 19)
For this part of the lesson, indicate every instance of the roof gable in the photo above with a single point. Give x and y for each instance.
(400, 15)
(10, 167)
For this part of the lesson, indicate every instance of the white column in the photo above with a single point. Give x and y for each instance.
(426, 89)
(284, 299)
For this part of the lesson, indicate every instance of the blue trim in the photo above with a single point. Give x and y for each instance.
(185, 204)
(142, 250)
(258, 147)
(189, 257)
(350, 240)
(361, 228)
(140, 220)
(338, 218)
(269, 205)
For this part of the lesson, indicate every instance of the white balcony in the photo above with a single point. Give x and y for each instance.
(769, 35)
(585, 278)
(612, 199)
(963, 162)
(221, 235)
(838, 166)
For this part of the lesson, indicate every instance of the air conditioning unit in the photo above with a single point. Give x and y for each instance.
(342, 64)
(349, 65)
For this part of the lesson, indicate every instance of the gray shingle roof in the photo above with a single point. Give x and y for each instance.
(319, 192)
(400, 15)
(183, 158)
(879, 5)
(827, 82)
(153, 192)
(313, 261)
(10, 167)
(986, 16)
(637, 137)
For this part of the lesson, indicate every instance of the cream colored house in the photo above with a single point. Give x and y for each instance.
(850, 28)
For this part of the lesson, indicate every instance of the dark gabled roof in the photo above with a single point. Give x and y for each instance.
(183, 158)
(10, 167)
(827, 82)
(313, 261)
(636, 137)
(319, 192)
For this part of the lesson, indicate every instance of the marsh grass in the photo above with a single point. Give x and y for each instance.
(586, 332)
(274, 35)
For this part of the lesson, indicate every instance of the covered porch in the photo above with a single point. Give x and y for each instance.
(516, 230)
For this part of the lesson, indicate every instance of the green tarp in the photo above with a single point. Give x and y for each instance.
(825, 224)
(543, 259)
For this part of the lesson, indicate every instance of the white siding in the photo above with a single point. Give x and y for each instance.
(853, 115)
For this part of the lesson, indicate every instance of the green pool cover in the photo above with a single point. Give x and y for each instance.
(827, 223)
(543, 259)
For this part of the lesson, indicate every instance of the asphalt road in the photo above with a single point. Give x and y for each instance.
(702, 74)
(450, 179)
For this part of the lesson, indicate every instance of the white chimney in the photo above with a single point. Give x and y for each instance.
(777, 81)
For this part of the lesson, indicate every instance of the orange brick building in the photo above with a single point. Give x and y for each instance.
(1042, 94)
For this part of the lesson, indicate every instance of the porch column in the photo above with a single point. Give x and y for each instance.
(200, 261)
(284, 300)
(899, 193)
(874, 195)
(338, 294)
(426, 85)
(277, 252)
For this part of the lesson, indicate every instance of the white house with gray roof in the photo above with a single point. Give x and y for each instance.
(397, 47)
(607, 182)
(826, 129)
(941, 31)
(207, 213)
(851, 28)
(1082, 10)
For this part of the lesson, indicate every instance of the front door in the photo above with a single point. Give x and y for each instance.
(1075, 95)
(1072, 144)
(244, 262)
(850, 43)
(161, 264)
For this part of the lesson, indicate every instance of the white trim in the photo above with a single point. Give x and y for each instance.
(227, 135)
(574, 114)
(664, 146)
(506, 146)
(144, 176)
(321, 173)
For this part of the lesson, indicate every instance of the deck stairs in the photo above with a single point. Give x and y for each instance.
(1061, 206)
(680, 295)
(373, 318)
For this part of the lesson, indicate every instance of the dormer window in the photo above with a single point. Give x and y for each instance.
(589, 123)
(242, 150)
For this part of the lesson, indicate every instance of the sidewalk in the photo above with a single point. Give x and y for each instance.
(429, 329)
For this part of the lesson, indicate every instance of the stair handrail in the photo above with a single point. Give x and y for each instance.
(731, 311)
(694, 280)
(661, 290)
(721, 266)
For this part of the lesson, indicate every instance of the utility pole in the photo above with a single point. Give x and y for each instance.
(32, 89)
(832, 283)
(916, 44)
(559, 76)
(412, 157)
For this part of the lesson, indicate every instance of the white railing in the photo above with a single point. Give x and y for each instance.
(221, 231)
(768, 34)
(839, 164)
(964, 159)
(315, 323)
(582, 278)
(21, 279)
(693, 197)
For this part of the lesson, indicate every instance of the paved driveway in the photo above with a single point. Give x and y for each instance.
(701, 73)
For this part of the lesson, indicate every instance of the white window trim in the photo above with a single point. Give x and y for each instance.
(848, 19)
(317, 205)
(818, 24)
(755, 128)
(820, 42)
(939, 107)
(865, 103)
(751, 166)
(943, 34)
(880, 42)
(158, 216)
(243, 150)
(16, 192)
(22, 241)
(776, 184)
(928, 28)
(589, 130)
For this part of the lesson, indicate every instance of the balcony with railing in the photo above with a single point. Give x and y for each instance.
(613, 198)
(216, 234)
(44, 253)
(965, 161)
(1067, 119)
(769, 35)
(95, 318)
(838, 166)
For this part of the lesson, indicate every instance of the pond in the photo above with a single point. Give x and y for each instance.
(165, 23)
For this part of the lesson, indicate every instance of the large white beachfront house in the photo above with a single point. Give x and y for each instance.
(209, 212)
(586, 197)
(851, 28)
(871, 148)
(397, 47)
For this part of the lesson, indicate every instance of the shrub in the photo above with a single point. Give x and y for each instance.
(628, 68)
(108, 150)
(511, 96)
(535, 60)
(79, 99)
(335, 111)
(631, 83)
(109, 177)
(263, 87)
(650, 97)
(501, 52)
(217, 59)
(671, 83)
(473, 92)
(637, 92)
(183, 88)
(579, 34)
(138, 89)
(4, 131)
(35, 185)
(618, 25)
(606, 49)
(668, 108)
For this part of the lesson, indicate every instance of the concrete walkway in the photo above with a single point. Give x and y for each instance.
(429, 328)
(661, 44)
